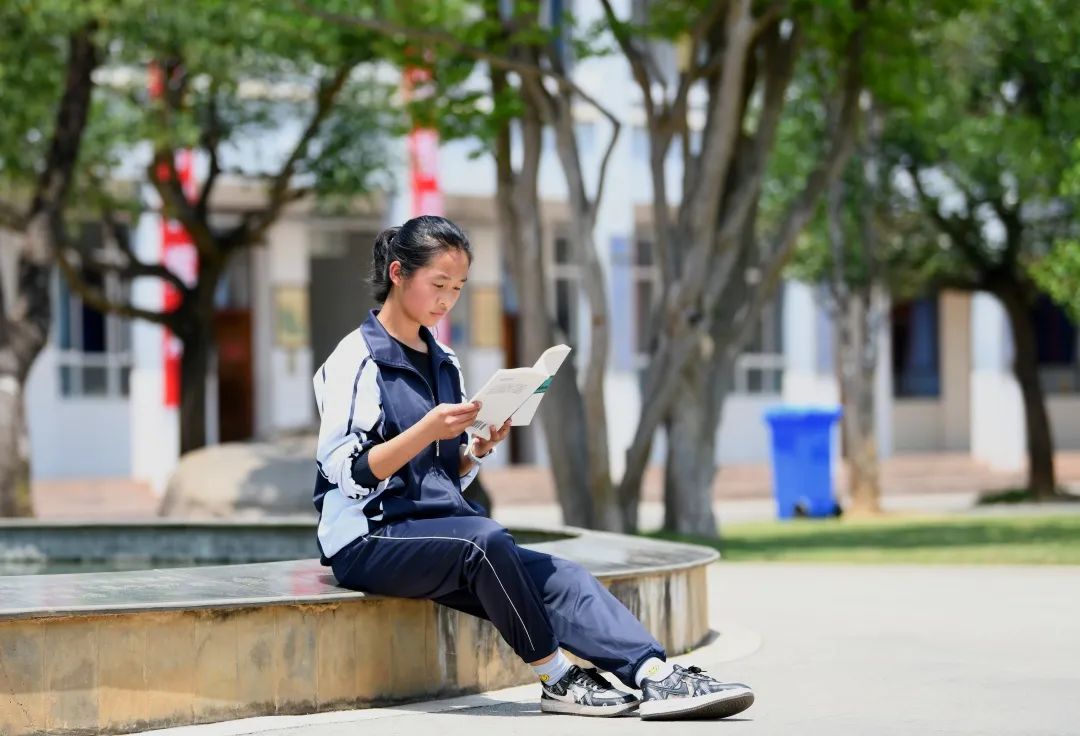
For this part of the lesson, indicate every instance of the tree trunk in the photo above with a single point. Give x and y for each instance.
(24, 329)
(858, 363)
(197, 334)
(703, 386)
(194, 365)
(25, 322)
(15, 498)
(605, 509)
(703, 273)
(1040, 444)
(690, 467)
(518, 216)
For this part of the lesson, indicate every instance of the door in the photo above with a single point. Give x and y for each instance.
(236, 418)
(340, 295)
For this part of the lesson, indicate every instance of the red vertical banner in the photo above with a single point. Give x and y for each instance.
(423, 150)
(178, 254)
(423, 145)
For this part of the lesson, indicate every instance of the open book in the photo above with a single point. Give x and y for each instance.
(516, 392)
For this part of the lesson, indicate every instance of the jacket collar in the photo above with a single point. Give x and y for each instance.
(385, 350)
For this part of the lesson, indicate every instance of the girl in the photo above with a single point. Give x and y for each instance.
(393, 459)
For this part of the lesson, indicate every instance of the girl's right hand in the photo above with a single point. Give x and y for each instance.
(447, 421)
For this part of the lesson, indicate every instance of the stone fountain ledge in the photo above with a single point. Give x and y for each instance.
(129, 651)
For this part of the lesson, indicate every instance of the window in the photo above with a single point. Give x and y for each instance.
(94, 349)
(759, 370)
(555, 12)
(915, 351)
(645, 276)
(1055, 343)
(565, 278)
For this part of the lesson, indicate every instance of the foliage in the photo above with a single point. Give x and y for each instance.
(1058, 274)
(986, 115)
(905, 539)
(249, 72)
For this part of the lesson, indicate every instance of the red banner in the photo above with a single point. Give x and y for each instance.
(423, 144)
(178, 254)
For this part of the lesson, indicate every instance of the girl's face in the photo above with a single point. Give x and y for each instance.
(432, 291)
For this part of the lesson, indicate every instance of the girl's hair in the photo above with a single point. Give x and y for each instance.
(414, 244)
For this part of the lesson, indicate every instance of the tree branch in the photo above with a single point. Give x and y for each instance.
(175, 203)
(55, 180)
(134, 267)
(210, 140)
(255, 224)
(718, 145)
(1010, 220)
(841, 146)
(777, 80)
(11, 218)
(955, 228)
(94, 296)
(636, 57)
(442, 37)
(4, 325)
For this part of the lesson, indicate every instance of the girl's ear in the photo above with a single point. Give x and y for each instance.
(395, 273)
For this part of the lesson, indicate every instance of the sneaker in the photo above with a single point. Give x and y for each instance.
(690, 693)
(584, 692)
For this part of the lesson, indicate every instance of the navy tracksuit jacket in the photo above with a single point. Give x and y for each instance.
(413, 535)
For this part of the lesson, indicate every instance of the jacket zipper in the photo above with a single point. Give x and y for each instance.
(434, 399)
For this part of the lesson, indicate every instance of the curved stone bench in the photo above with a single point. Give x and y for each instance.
(128, 651)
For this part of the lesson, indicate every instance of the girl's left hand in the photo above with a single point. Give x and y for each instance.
(482, 447)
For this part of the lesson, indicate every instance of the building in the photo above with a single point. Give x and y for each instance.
(944, 382)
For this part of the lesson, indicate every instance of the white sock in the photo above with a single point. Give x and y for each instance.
(654, 669)
(553, 670)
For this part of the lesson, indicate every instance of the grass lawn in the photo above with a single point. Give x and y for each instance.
(990, 540)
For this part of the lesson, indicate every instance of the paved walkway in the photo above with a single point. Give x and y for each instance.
(931, 482)
(830, 650)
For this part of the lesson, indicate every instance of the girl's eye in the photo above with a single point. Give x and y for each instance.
(439, 286)
(457, 288)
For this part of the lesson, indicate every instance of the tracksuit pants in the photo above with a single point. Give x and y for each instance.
(470, 563)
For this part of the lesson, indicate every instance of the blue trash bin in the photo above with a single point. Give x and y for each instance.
(802, 460)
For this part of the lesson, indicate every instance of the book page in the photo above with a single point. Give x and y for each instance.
(502, 395)
(549, 362)
(552, 359)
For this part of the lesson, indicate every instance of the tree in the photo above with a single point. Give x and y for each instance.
(210, 55)
(720, 259)
(1059, 272)
(983, 137)
(47, 59)
(522, 52)
(844, 250)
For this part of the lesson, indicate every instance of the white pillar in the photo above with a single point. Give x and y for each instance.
(289, 370)
(155, 429)
(883, 377)
(997, 410)
(809, 375)
(956, 369)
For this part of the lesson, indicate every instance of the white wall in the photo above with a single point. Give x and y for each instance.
(954, 338)
(808, 376)
(917, 425)
(155, 430)
(282, 377)
(74, 437)
(998, 436)
(1064, 413)
(744, 435)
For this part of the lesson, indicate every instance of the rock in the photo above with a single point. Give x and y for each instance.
(271, 478)
(253, 479)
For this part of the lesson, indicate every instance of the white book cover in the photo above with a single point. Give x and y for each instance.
(516, 392)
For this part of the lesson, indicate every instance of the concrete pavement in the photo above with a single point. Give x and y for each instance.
(836, 650)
